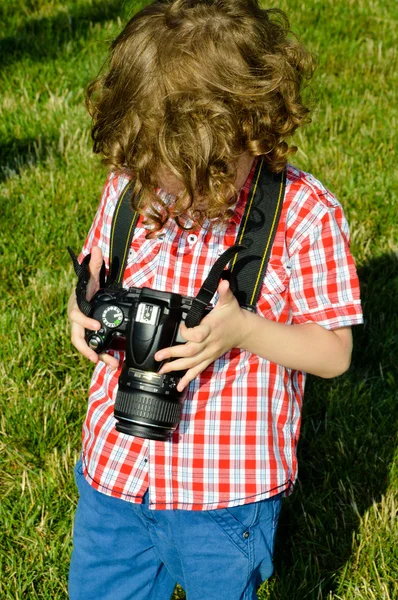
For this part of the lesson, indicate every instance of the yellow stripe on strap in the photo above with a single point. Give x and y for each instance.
(249, 210)
(114, 224)
(126, 249)
(269, 238)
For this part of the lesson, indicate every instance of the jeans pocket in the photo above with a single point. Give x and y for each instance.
(245, 514)
(236, 522)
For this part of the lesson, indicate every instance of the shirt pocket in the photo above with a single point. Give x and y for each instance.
(142, 262)
(274, 290)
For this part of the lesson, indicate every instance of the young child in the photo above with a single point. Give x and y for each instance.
(194, 94)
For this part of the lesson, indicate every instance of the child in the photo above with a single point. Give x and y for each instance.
(195, 92)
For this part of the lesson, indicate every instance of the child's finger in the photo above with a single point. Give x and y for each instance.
(79, 342)
(94, 266)
(183, 361)
(109, 360)
(96, 260)
(76, 316)
(191, 374)
(225, 296)
(195, 334)
(180, 351)
(179, 364)
(223, 287)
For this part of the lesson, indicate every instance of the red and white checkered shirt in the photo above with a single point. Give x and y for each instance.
(237, 439)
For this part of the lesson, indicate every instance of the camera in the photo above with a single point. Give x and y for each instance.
(147, 405)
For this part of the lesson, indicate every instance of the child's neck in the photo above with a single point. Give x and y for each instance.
(243, 168)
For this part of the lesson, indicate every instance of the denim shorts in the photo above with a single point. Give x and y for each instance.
(124, 551)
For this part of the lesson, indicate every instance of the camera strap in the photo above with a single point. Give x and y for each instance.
(83, 276)
(123, 225)
(257, 233)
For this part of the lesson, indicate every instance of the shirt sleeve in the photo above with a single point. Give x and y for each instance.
(324, 286)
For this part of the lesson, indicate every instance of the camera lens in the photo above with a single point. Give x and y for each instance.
(148, 405)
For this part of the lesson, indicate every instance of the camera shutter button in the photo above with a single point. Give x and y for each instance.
(95, 343)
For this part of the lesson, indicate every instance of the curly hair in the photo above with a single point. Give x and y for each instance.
(190, 86)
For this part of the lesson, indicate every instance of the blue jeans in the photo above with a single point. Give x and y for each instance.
(124, 551)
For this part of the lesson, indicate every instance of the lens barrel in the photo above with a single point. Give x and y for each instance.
(148, 405)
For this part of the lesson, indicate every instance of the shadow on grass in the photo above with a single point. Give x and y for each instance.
(43, 38)
(345, 452)
(346, 448)
(56, 144)
(17, 154)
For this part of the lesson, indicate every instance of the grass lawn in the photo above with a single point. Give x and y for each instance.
(338, 534)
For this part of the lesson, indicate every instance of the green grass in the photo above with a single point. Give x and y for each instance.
(338, 534)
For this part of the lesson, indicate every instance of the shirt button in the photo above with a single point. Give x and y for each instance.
(192, 239)
(246, 534)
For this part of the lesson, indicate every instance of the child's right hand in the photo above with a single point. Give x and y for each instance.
(79, 322)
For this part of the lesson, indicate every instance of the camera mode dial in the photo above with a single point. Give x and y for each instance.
(112, 317)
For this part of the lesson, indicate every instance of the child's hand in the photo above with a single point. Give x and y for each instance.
(79, 321)
(224, 328)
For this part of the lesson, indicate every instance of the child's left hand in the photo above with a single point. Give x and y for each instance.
(221, 330)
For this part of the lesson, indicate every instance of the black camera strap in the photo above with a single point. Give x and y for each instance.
(123, 226)
(257, 233)
(210, 286)
(83, 276)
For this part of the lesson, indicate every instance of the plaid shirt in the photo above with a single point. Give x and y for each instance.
(237, 439)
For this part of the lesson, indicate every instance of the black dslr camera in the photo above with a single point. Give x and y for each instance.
(147, 405)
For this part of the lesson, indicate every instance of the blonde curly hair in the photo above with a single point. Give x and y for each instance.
(189, 87)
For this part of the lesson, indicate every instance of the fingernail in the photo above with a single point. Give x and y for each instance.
(94, 359)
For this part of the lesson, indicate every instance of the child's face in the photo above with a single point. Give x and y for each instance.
(168, 182)
(171, 185)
